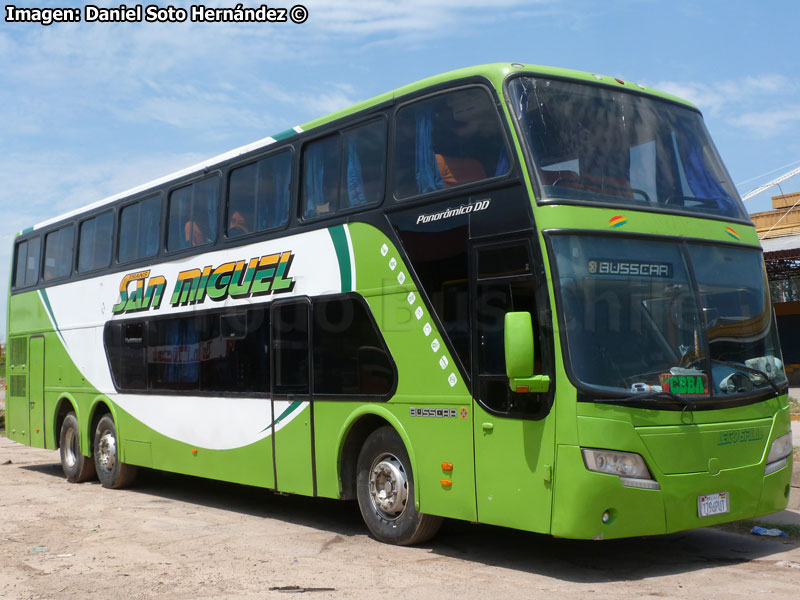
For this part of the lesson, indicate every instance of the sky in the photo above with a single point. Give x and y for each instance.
(88, 110)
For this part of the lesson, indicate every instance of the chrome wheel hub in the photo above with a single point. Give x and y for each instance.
(107, 451)
(388, 486)
(71, 448)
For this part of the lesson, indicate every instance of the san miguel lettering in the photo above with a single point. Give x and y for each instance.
(258, 276)
(241, 279)
(141, 297)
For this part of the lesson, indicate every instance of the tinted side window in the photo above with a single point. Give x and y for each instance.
(32, 261)
(94, 246)
(193, 211)
(139, 227)
(344, 171)
(210, 352)
(320, 189)
(20, 260)
(290, 345)
(26, 262)
(236, 357)
(259, 195)
(363, 165)
(350, 358)
(58, 246)
(448, 140)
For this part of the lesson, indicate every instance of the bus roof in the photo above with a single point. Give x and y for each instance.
(494, 72)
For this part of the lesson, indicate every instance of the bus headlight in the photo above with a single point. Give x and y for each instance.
(779, 452)
(630, 467)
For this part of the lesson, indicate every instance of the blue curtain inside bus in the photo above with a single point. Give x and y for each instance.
(313, 178)
(355, 179)
(428, 177)
(702, 183)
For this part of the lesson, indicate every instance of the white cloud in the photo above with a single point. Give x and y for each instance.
(717, 97)
(769, 123)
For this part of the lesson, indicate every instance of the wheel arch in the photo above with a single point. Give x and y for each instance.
(99, 407)
(65, 405)
(359, 425)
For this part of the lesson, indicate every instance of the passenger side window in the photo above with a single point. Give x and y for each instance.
(58, 247)
(350, 358)
(139, 227)
(26, 262)
(448, 140)
(193, 211)
(344, 170)
(211, 352)
(258, 197)
(94, 245)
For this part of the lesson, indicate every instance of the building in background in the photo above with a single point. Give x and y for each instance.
(779, 230)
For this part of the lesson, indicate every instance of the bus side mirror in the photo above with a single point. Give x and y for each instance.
(518, 337)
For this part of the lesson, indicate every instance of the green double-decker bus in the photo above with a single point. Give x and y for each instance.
(509, 294)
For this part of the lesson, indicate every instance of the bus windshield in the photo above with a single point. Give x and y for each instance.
(595, 144)
(637, 313)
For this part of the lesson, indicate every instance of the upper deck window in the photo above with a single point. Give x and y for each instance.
(595, 144)
(139, 226)
(193, 211)
(58, 246)
(94, 246)
(344, 171)
(259, 195)
(448, 140)
(26, 262)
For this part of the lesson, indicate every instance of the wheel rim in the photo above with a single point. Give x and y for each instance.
(107, 451)
(72, 448)
(388, 486)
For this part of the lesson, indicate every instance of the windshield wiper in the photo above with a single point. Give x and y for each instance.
(749, 370)
(651, 396)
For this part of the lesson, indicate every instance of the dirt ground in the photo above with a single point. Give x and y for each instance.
(180, 537)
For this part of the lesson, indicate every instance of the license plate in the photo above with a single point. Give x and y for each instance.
(713, 504)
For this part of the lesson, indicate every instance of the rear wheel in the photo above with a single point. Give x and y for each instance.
(110, 471)
(77, 467)
(385, 490)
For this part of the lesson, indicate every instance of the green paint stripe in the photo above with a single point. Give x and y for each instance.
(339, 238)
(46, 300)
(284, 135)
(292, 407)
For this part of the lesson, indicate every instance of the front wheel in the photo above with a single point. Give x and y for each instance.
(385, 491)
(110, 471)
(77, 467)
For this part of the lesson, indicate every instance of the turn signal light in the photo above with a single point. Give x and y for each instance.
(446, 482)
(523, 389)
(194, 451)
(447, 466)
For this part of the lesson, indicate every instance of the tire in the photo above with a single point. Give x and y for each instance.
(391, 518)
(110, 471)
(77, 467)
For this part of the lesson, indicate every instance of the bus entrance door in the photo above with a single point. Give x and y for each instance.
(36, 391)
(292, 410)
(514, 446)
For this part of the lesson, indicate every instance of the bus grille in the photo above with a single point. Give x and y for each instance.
(16, 386)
